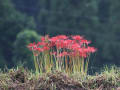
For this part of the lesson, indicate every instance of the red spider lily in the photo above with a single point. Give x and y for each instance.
(53, 53)
(63, 54)
(62, 37)
(77, 37)
(42, 39)
(46, 36)
(39, 49)
(75, 48)
(60, 44)
(53, 39)
(91, 49)
(68, 43)
(72, 54)
(51, 44)
(41, 44)
(85, 42)
(35, 48)
(45, 48)
(35, 54)
(83, 54)
(32, 46)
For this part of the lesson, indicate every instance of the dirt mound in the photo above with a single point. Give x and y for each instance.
(100, 83)
(23, 80)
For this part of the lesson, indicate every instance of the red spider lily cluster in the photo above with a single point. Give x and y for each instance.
(63, 47)
(73, 45)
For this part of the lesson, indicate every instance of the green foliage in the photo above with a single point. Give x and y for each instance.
(21, 54)
(2, 59)
(11, 23)
(112, 73)
(98, 20)
(67, 17)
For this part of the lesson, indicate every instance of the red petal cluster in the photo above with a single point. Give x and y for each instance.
(66, 45)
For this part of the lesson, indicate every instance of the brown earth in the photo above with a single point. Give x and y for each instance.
(19, 80)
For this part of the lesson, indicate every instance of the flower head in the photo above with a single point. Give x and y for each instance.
(77, 37)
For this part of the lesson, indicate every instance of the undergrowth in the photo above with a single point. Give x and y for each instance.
(23, 79)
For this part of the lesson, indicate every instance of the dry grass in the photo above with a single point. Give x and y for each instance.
(25, 80)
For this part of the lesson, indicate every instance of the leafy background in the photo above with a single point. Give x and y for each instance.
(22, 22)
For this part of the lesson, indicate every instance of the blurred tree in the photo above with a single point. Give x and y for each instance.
(29, 7)
(104, 11)
(98, 20)
(2, 59)
(108, 36)
(67, 17)
(114, 33)
(21, 54)
(11, 23)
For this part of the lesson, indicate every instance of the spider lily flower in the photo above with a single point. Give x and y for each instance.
(45, 48)
(39, 50)
(77, 37)
(42, 39)
(62, 37)
(53, 39)
(53, 53)
(91, 49)
(83, 54)
(63, 54)
(31, 45)
(41, 44)
(62, 51)
(85, 42)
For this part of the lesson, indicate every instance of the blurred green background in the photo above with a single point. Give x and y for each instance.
(25, 21)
